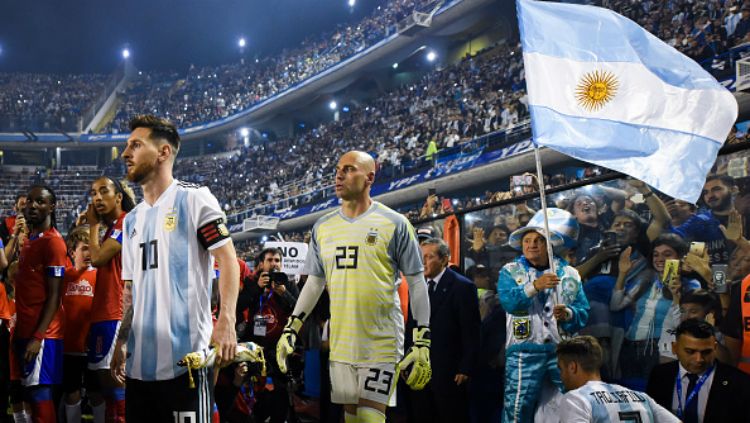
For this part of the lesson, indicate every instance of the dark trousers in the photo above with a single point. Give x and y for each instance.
(4, 371)
(170, 400)
(273, 404)
(440, 401)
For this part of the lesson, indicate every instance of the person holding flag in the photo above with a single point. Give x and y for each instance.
(543, 299)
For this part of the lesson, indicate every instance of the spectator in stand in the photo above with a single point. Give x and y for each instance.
(79, 287)
(651, 299)
(40, 317)
(706, 225)
(743, 25)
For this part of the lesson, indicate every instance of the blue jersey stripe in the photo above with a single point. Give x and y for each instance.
(178, 280)
(149, 341)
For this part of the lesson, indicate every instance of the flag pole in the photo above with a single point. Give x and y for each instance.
(543, 198)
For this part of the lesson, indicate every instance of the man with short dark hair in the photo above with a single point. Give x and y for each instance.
(169, 244)
(706, 225)
(269, 300)
(697, 387)
(588, 399)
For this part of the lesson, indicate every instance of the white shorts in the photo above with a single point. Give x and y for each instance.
(101, 343)
(374, 382)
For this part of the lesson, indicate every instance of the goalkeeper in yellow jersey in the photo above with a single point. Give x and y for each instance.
(359, 250)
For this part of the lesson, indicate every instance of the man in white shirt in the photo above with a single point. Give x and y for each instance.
(588, 399)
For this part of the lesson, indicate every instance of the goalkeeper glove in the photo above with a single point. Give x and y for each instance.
(418, 357)
(287, 341)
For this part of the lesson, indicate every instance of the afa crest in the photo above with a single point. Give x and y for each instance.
(372, 237)
(170, 221)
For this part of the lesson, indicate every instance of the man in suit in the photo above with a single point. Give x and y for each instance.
(697, 387)
(454, 323)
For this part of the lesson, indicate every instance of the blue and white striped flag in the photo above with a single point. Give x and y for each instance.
(604, 90)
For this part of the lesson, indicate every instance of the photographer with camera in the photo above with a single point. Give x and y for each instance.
(269, 302)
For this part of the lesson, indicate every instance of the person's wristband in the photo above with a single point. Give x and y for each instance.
(38, 335)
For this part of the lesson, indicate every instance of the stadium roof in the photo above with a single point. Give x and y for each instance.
(85, 36)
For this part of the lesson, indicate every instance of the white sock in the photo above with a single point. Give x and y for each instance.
(73, 412)
(21, 417)
(98, 412)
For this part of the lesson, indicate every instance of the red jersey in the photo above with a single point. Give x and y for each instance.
(5, 313)
(107, 303)
(41, 256)
(77, 298)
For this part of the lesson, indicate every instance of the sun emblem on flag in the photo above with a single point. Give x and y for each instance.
(596, 89)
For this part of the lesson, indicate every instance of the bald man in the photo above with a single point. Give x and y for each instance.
(359, 250)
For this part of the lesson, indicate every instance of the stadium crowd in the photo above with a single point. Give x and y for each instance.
(46, 102)
(210, 93)
(705, 31)
(403, 129)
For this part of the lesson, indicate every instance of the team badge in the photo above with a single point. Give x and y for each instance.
(372, 237)
(223, 229)
(170, 221)
(521, 328)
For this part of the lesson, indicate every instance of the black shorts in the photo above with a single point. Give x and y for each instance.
(76, 374)
(170, 400)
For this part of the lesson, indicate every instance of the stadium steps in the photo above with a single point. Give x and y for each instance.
(108, 116)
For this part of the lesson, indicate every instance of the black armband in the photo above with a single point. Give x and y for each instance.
(212, 232)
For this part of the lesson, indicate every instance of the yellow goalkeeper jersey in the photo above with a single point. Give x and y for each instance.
(360, 260)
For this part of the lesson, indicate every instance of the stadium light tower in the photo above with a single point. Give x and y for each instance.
(126, 53)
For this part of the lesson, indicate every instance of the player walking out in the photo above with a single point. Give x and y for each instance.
(359, 250)
(168, 243)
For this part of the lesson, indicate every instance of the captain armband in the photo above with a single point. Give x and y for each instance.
(212, 232)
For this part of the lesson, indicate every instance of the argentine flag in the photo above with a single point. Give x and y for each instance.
(604, 90)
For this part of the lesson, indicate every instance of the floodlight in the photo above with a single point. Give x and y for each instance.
(431, 56)
(125, 53)
(242, 42)
(332, 105)
(395, 66)
(244, 132)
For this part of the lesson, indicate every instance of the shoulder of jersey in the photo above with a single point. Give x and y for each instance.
(327, 216)
(189, 185)
(388, 212)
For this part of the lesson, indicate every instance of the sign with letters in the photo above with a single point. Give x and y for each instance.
(292, 255)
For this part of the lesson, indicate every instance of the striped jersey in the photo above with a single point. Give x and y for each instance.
(599, 402)
(171, 273)
(360, 260)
